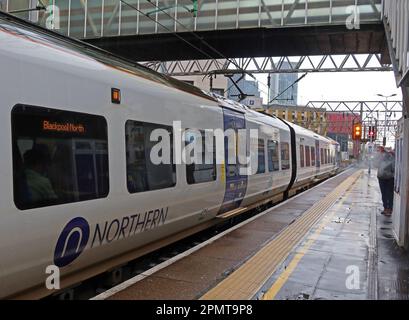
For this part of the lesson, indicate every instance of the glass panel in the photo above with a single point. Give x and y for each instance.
(94, 16)
(205, 145)
(313, 156)
(129, 17)
(206, 15)
(302, 156)
(294, 12)
(322, 155)
(273, 160)
(146, 24)
(285, 156)
(318, 11)
(111, 17)
(307, 156)
(77, 19)
(340, 11)
(261, 165)
(164, 12)
(3, 5)
(226, 14)
(271, 13)
(19, 5)
(142, 173)
(55, 158)
(63, 7)
(249, 13)
(186, 14)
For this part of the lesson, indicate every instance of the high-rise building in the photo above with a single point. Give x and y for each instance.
(281, 81)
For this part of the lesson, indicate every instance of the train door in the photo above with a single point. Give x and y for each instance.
(236, 184)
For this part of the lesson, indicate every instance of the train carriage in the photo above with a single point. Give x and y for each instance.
(79, 188)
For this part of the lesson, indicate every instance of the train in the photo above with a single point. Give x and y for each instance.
(79, 190)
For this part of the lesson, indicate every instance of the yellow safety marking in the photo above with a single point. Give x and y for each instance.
(247, 280)
(285, 275)
(223, 172)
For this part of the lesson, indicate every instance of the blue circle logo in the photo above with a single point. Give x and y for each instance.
(71, 242)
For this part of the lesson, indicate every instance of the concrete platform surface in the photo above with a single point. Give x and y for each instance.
(351, 254)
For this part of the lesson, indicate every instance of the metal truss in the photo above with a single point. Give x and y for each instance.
(285, 64)
(383, 114)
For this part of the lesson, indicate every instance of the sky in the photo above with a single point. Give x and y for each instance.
(345, 86)
(362, 86)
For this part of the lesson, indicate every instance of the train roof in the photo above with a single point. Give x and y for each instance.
(20, 27)
(303, 131)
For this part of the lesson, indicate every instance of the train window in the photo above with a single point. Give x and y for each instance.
(261, 163)
(142, 173)
(204, 169)
(322, 155)
(307, 156)
(302, 156)
(58, 156)
(285, 156)
(313, 156)
(326, 155)
(272, 153)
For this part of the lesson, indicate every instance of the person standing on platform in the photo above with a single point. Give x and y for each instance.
(386, 174)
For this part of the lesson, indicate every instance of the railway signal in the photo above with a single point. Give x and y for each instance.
(372, 133)
(357, 131)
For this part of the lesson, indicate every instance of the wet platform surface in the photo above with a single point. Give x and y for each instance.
(350, 253)
(354, 256)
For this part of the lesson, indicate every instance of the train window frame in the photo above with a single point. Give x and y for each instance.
(307, 156)
(49, 139)
(285, 151)
(312, 156)
(270, 151)
(127, 164)
(261, 145)
(302, 156)
(214, 165)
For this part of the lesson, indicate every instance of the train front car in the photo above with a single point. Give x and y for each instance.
(79, 189)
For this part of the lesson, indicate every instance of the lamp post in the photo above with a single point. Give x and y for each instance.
(386, 114)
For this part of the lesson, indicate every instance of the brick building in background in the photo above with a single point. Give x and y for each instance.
(313, 119)
(340, 125)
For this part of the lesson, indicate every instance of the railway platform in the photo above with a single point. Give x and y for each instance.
(330, 242)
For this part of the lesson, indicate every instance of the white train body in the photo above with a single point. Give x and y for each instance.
(42, 74)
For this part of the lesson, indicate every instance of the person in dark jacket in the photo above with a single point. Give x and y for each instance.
(386, 174)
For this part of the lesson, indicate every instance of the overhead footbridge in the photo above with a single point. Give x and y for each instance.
(165, 30)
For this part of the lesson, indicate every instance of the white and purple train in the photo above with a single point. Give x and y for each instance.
(78, 189)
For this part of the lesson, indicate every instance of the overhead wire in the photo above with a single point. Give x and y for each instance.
(197, 37)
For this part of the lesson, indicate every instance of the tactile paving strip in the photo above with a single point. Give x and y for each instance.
(246, 281)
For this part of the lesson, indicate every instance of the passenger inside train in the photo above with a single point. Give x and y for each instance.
(37, 162)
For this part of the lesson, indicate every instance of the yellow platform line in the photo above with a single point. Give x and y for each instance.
(285, 275)
(247, 280)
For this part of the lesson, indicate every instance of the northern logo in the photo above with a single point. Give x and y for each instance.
(72, 241)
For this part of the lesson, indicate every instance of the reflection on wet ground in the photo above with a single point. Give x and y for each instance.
(354, 256)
